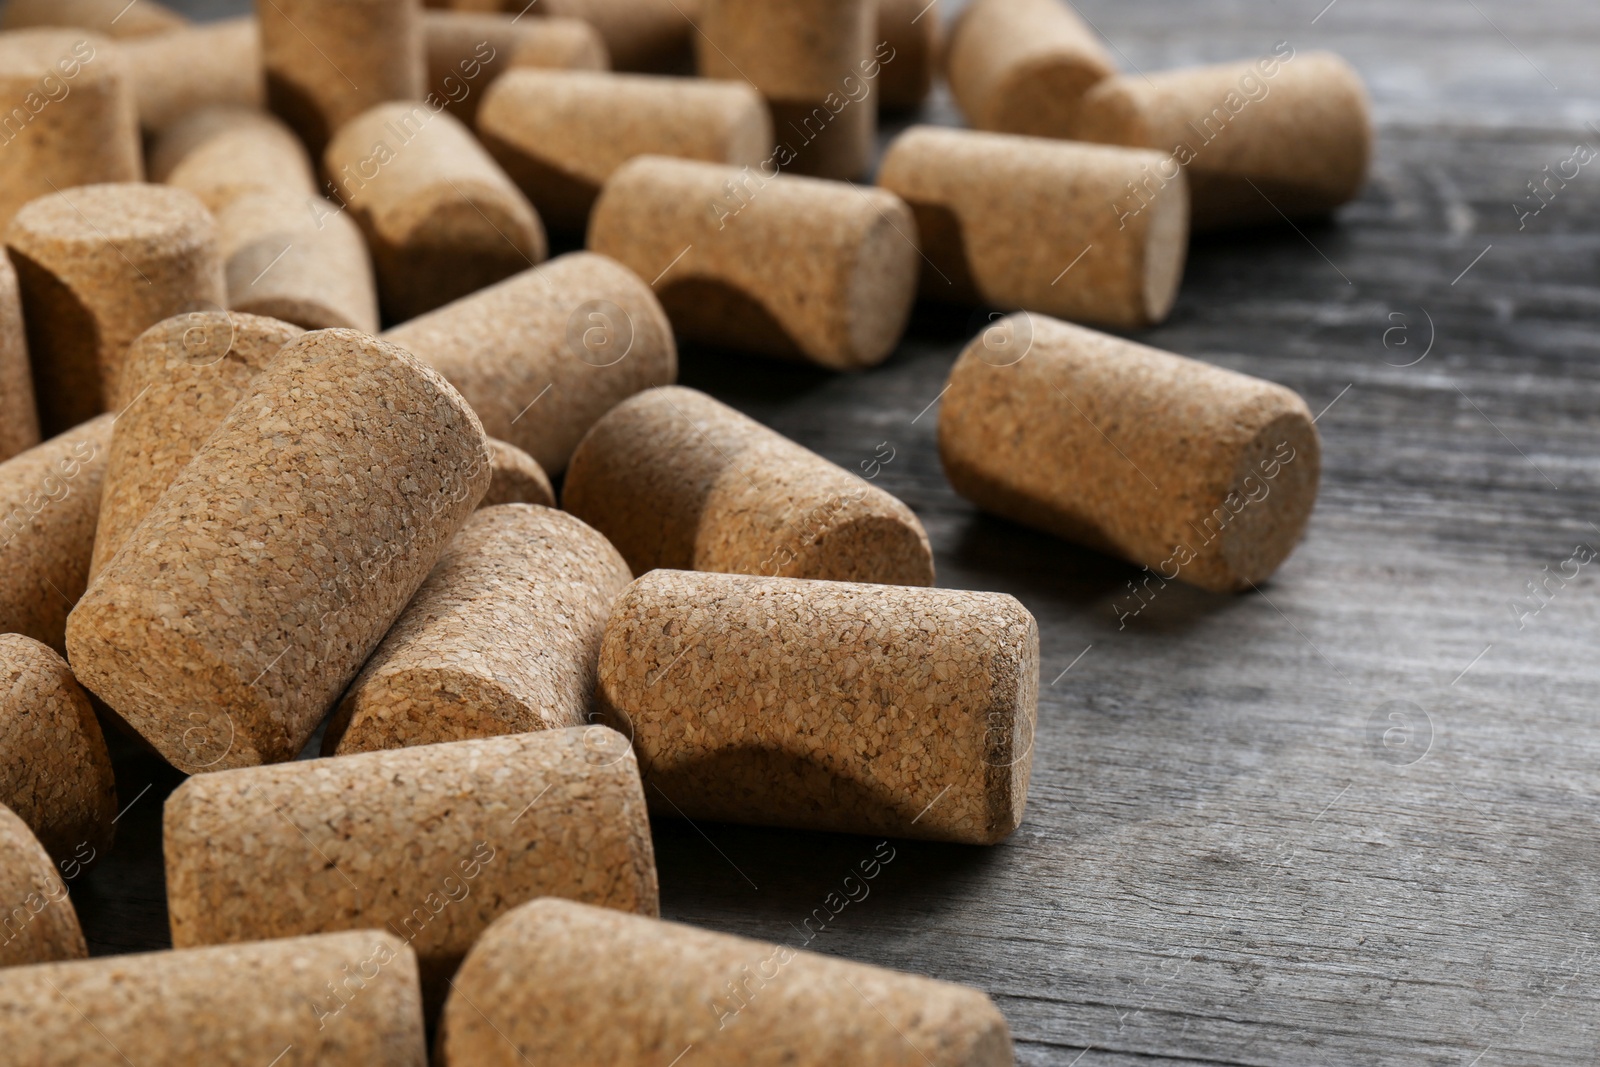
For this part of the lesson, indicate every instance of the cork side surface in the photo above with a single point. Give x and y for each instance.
(40, 924)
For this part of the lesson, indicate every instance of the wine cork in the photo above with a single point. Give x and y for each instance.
(676, 479)
(264, 576)
(517, 478)
(501, 639)
(297, 258)
(19, 418)
(913, 30)
(870, 709)
(71, 117)
(562, 984)
(1024, 222)
(113, 18)
(221, 153)
(784, 266)
(1022, 66)
(215, 64)
(339, 1000)
(441, 217)
(1282, 134)
(640, 35)
(1195, 472)
(37, 920)
(98, 266)
(482, 826)
(469, 52)
(544, 354)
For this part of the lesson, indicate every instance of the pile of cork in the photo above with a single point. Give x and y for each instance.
(259, 521)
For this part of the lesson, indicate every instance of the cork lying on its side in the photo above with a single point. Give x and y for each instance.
(264, 576)
(1022, 66)
(791, 267)
(299, 259)
(217, 64)
(1025, 222)
(114, 18)
(913, 30)
(518, 478)
(1197, 473)
(676, 479)
(467, 53)
(564, 985)
(544, 354)
(221, 153)
(640, 35)
(40, 924)
(335, 1000)
(19, 418)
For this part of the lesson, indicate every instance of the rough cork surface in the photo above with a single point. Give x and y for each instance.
(1291, 135)
(99, 265)
(468, 52)
(1024, 222)
(114, 18)
(1022, 66)
(251, 594)
(640, 35)
(19, 418)
(300, 259)
(431, 844)
(1197, 473)
(870, 709)
(221, 153)
(914, 30)
(790, 267)
(561, 134)
(563, 985)
(335, 1000)
(518, 478)
(216, 64)
(677, 479)
(502, 638)
(39, 922)
(541, 356)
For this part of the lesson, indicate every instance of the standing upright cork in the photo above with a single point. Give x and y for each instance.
(19, 418)
(913, 30)
(217, 64)
(37, 920)
(467, 53)
(264, 576)
(1022, 66)
(114, 18)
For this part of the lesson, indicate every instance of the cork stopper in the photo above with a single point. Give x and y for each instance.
(1199, 474)
(113, 18)
(561, 134)
(790, 267)
(541, 356)
(216, 64)
(40, 924)
(1025, 222)
(468, 52)
(300, 259)
(485, 825)
(640, 35)
(221, 153)
(99, 265)
(1022, 66)
(19, 418)
(914, 33)
(266, 574)
(517, 478)
(561, 984)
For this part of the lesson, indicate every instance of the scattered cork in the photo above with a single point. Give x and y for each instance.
(541, 356)
(1025, 222)
(222, 153)
(518, 478)
(1022, 66)
(640, 35)
(40, 924)
(299, 259)
(113, 18)
(1194, 472)
(791, 267)
(216, 64)
(19, 418)
(561, 984)
(561, 134)
(255, 588)
(676, 479)
(469, 52)
(913, 30)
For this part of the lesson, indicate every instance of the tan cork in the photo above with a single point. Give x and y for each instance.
(267, 573)
(221, 153)
(501, 639)
(564, 985)
(468, 52)
(19, 418)
(561, 134)
(913, 30)
(518, 478)
(1195, 472)
(216, 64)
(299, 259)
(640, 35)
(1282, 135)
(1025, 222)
(1022, 66)
(541, 356)
(791, 267)
(99, 265)
(333, 1000)
(114, 18)
(441, 217)
(677, 479)
(37, 920)
(481, 826)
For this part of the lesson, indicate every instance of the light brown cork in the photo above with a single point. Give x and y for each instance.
(299, 259)
(431, 844)
(221, 153)
(501, 639)
(1282, 135)
(19, 418)
(441, 217)
(518, 478)
(1022, 66)
(791, 267)
(1195, 472)
(640, 35)
(98, 265)
(468, 52)
(267, 573)
(215, 64)
(1025, 222)
(541, 356)
(677, 479)
(870, 709)
(913, 30)
(334, 1000)
(564, 985)
(114, 18)
(37, 920)
(561, 134)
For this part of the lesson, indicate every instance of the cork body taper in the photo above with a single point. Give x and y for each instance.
(1023, 66)
(37, 920)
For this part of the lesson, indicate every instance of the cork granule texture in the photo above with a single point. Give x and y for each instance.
(517, 478)
(1023, 66)
(469, 51)
(217, 63)
(222, 153)
(19, 419)
(39, 924)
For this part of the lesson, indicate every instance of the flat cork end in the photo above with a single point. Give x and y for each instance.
(158, 220)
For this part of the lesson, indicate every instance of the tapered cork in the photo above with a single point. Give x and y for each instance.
(913, 30)
(1197, 473)
(300, 259)
(441, 217)
(216, 64)
(563, 985)
(518, 478)
(431, 844)
(114, 18)
(221, 153)
(790, 267)
(264, 576)
(336, 1000)
(676, 479)
(541, 356)
(71, 117)
(19, 419)
(98, 266)
(1022, 66)
(37, 920)
(1025, 222)
(469, 52)
(1287, 133)
(640, 35)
